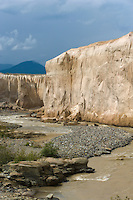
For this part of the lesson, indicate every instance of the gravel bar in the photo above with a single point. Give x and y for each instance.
(90, 141)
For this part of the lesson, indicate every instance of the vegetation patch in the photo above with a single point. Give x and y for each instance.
(49, 150)
(33, 144)
(23, 156)
(7, 129)
(5, 155)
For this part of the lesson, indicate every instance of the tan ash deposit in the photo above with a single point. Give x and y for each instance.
(92, 83)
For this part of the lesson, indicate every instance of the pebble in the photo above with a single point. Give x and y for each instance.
(90, 141)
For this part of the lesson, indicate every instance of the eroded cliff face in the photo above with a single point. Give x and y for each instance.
(24, 90)
(93, 83)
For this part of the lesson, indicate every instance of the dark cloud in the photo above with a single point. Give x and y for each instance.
(40, 30)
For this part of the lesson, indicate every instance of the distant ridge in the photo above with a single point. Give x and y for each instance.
(5, 66)
(27, 67)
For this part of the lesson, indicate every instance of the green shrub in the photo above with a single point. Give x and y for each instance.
(49, 150)
(34, 145)
(27, 144)
(32, 156)
(5, 155)
(22, 156)
(37, 146)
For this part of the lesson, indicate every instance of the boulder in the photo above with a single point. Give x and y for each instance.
(52, 181)
(55, 161)
(29, 193)
(46, 171)
(48, 119)
(50, 196)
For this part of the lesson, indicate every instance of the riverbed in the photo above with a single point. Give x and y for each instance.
(113, 176)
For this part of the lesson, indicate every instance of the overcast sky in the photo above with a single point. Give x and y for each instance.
(42, 29)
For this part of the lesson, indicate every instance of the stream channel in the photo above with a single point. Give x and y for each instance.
(114, 172)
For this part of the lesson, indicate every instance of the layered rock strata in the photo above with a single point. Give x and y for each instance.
(24, 90)
(92, 83)
(47, 171)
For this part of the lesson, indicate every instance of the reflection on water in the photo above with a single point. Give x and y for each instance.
(86, 178)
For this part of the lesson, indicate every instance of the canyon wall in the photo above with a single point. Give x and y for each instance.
(24, 90)
(92, 83)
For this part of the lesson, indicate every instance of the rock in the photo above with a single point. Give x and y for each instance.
(48, 119)
(121, 157)
(80, 164)
(7, 184)
(90, 170)
(96, 124)
(52, 181)
(34, 172)
(15, 174)
(2, 176)
(39, 114)
(29, 193)
(50, 196)
(72, 123)
(68, 171)
(80, 161)
(33, 114)
(56, 161)
(46, 171)
(24, 181)
(76, 165)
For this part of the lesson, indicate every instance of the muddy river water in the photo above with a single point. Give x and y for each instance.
(113, 176)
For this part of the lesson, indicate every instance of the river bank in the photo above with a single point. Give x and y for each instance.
(80, 184)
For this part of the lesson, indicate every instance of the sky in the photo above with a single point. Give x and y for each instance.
(40, 30)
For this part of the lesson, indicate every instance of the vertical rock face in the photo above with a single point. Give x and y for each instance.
(94, 83)
(24, 90)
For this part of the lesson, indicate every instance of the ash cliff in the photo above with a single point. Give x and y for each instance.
(91, 83)
(24, 90)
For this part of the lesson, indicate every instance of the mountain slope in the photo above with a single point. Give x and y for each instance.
(5, 66)
(27, 67)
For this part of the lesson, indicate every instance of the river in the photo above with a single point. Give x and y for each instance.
(113, 176)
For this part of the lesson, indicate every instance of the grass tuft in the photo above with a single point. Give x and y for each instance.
(22, 156)
(49, 150)
(5, 155)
